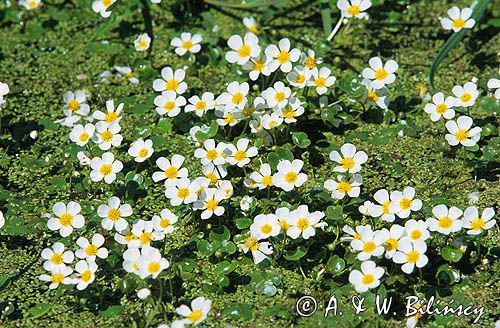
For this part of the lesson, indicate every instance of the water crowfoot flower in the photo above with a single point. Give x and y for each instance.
(107, 135)
(30, 4)
(142, 42)
(198, 312)
(304, 223)
(299, 77)
(210, 153)
(201, 105)
(369, 244)
(458, 20)
(243, 49)
(384, 209)
(353, 8)
(56, 258)
(367, 278)
(379, 73)
(265, 226)
(86, 274)
(126, 72)
(251, 25)
(75, 103)
(288, 175)
(171, 170)
(58, 276)
(293, 110)
(277, 95)
(169, 103)
(478, 223)
(113, 214)
(441, 107)
(259, 250)
(68, 218)
(112, 114)
(350, 160)
(416, 230)
(235, 97)
(172, 81)
(282, 56)
(105, 168)
(151, 263)
(209, 201)
(392, 239)
(101, 6)
(183, 191)
(446, 220)
(81, 135)
(141, 150)
(466, 95)
(461, 132)
(403, 203)
(186, 43)
(321, 79)
(240, 154)
(89, 251)
(411, 255)
(264, 178)
(343, 187)
(164, 223)
(492, 84)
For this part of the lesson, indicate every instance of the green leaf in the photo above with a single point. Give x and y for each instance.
(335, 265)
(297, 254)
(112, 311)
(48, 124)
(301, 139)
(4, 281)
(205, 247)
(219, 234)
(239, 311)
(212, 131)
(39, 310)
(242, 223)
(455, 38)
(451, 254)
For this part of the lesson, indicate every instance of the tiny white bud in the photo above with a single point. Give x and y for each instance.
(143, 293)
(34, 134)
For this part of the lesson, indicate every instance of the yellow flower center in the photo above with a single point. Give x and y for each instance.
(416, 234)
(441, 109)
(372, 96)
(477, 224)
(165, 223)
(412, 256)
(169, 105)
(129, 237)
(458, 23)
(369, 247)
(289, 113)
(284, 225)
(86, 276)
(143, 152)
(57, 259)
(320, 82)
(310, 62)
(445, 222)
(106, 3)
(171, 172)
(145, 238)
(57, 278)
(195, 315)
(267, 180)
(347, 163)
(110, 117)
(84, 137)
(200, 105)
(107, 136)
(391, 244)
(357, 236)
(300, 78)
(153, 267)
(212, 154)
(32, 4)
(106, 169)
(368, 279)
(143, 44)
(280, 96)
(66, 219)
(266, 229)
(462, 135)
(252, 244)
(258, 65)
(272, 123)
(211, 205)
(213, 177)
(237, 98)
(183, 193)
(381, 74)
(172, 85)
(385, 207)
(283, 57)
(344, 187)
(302, 223)
(254, 29)
(240, 155)
(405, 203)
(244, 51)
(187, 45)
(91, 250)
(291, 177)
(73, 105)
(229, 118)
(354, 10)
(466, 97)
(114, 214)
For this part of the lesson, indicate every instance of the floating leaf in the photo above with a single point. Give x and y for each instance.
(39, 310)
(112, 311)
(451, 254)
(301, 139)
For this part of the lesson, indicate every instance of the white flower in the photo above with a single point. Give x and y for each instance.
(376, 97)
(86, 273)
(59, 276)
(304, 223)
(240, 154)
(227, 187)
(105, 168)
(243, 49)
(126, 72)
(141, 150)
(403, 203)
(143, 293)
(228, 116)
(384, 209)
(56, 258)
(101, 6)
(343, 187)
(257, 66)
(259, 250)
(113, 214)
(355, 234)
(271, 121)
(264, 178)
(370, 244)
(321, 79)
(392, 239)
(299, 76)
(151, 263)
(476, 223)
(214, 173)
(83, 157)
(200, 307)
(264, 226)
(441, 107)
(447, 219)
(368, 277)
(143, 231)
(169, 103)
(142, 42)
(201, 106)
(466, 95)
(309, 60)
(288, 175)
(353, 8)
(89, 251)
(170, 169)
(107, 135)
(416, 230)
(186, 42)
(282, 56)
(235, 97)
(292, 110)
(111, 115)
(81, 135)
(164, 223)
(67, 218)
(461, 132)
(492, 84)
(209, 201)
(277, 95)
(172, 81)
(75, 103)
(246, 202)
(379, 73)
(130, 257)
(251, 24)
(210, 153)
(183, 191)
(350, 160)
(459, 19)
(366, 208)
(411, 255)
(30, 4)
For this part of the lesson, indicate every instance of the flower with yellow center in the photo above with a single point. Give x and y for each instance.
(411, 255)
(282, 56)
(380, 74)
(367, 278)
(458, 19)
(445, 220)
(460, 132)
(186, 43)
(477, 223)
(243, 48)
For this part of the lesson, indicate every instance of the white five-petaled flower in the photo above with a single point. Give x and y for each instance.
(478, 223)
(370, 243)
(321, 79)
(141, 149)
(343, 187)
(169, 103)
(198, 312)
(350, 160)
(101, 7)
(30, 4)
(354, 234)
(458, 20)
(56, 258)
(126, 72)
(251, 24)
(303, 223)
(270, 121)
(257, 66)
(309, 59)
(171, 81)
(264, 178)
(293, 110)
(209, 201)
(281, 56)
(384, 209)
(240, 154)
(200, 105)
(67, 218)
(289, 175)
(171, 170)
(416, 230)
(214, 173)
(353, 8)
(151, 263)
(164, 223)
(366, 208)
(379, 73)
(59, 276)
(264, 226)
(186, 43)
(211, 153)
(4, 89)
(392, 239)
(75, 103)
(466, 95)
(243, 48)
(259, 250)
(376, 97)
(235, 97)
(367, 278)
(144, 234)
(82, 134)
(90, 250)
(142, 42)
(411, 255)
(113, 214)
(105, 168)
(403, 203)
(277, 95)
(440, 107)
(461, 132)
(299, 76)
(446, 220)
(183, 191)
(112, 114)
(107, 135)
